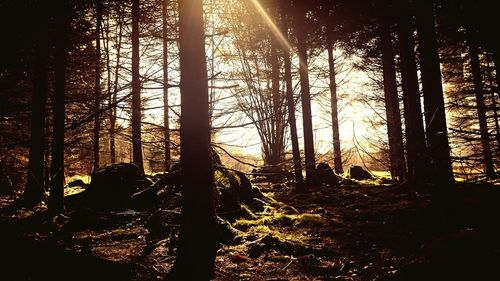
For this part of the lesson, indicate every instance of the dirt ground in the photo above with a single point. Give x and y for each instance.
(361, 232)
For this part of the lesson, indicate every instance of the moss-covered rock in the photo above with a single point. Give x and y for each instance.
(358, 173)
(325, 175)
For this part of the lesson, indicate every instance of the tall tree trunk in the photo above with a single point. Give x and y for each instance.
(136, 89)
(166, 122)
(109, 90)
(277, 145)
(496, 61)
(34, 192)
(435, 115)
(337, 156)
(396, 150)
(97, 86)
(305, 95)
(57, 168)
(112, 119)
(481, 107)
(415, 135)
(290, 101)
(197, 238)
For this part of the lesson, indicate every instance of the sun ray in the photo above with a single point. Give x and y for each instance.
(272, 25)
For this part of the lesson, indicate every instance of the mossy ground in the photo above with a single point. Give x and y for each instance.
(357, 232)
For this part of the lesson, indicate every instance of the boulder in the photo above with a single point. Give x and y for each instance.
(111, 187)
(76, 183)
(234, 189)
(358, 173)
(326, 175)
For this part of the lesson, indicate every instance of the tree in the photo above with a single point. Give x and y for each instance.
(415, 135)
(57, 164)
(34, 192)
(165, 85)
(396, 151)
(480, 103)
(136, 89)
(305, 96)
(435, 115)
(197, 237)
(97, 84)
(290, 101)
(337, 156)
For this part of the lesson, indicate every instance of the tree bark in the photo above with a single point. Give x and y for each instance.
(34, 192)
(277, 138)
(435, 118)
(305, 95)
(166, 120)
(395, 135)
(415, 135)
(337, 156)
(496, 61)
(290, 101)
(57, 164)
(112, 119)
(197, 238)
(481, 107)
(97, 86)
(136, 89)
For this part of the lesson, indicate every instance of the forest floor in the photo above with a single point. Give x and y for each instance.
(361, 232)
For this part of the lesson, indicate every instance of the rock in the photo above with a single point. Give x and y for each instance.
(358, 173)
(326, 175)
(271, 173)
(76, 183)
(111, 187)
(234, 189)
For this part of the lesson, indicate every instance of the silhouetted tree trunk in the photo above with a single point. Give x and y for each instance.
(481, 107)
(305, 96)
(34, 192)
(136, 89)
(337, 156)
(197, 238)
(415, 135)
(496, 61)
(277, 143)
(112, 119)
(435, 116)
(166, 122)
(396, 150)
(290, 101)
(97, 86)
(57, 164)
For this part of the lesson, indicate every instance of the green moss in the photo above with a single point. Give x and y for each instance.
(280, 219)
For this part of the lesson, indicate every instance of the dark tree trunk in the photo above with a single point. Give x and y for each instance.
(57, 168)
(34, 192)
(112, 119)
(197, 238)
(481, 107)
(395, 135)
(97, 86)
(337, 156)
(136, 89)
(496, 61)
(415, 135)
(305, 95)
(166, 122)
(290, 101)
(277, 145)
(435, 118)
